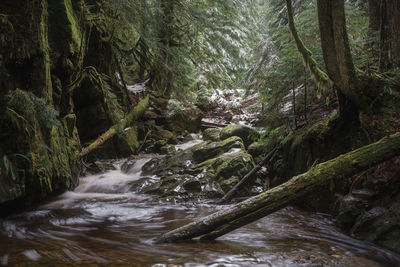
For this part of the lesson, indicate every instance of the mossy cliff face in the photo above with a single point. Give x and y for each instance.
(52, 83)
(39, 146)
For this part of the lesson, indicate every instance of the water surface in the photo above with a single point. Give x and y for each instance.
(103, 223)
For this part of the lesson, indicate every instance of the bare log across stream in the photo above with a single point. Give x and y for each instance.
(206, 124)
(135, 114)
(228, 196)
(318, 177)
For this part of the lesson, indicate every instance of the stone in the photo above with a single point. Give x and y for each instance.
(192, 184)
(349, 209)
(206, 170)
(211, 134)
(248, 134)
(207, 150)
(381, 226)
(167, 149)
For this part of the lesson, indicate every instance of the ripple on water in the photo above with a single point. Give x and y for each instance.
(102, 222)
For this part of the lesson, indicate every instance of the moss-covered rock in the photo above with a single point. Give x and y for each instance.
(167, 149)
(208, 150)
(206, 170)
(162, 134)
(47, 158)
(248, 134)
(211, 134)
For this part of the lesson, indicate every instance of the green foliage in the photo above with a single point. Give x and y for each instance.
(280, 69)
(174, 107)
(10, 169)
(203, 98)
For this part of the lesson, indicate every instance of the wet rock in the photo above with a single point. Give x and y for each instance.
(248, 134)
(381, 226)
(207, 150)
(349, 209)
(167, 149)
(211, 134)
(100, 166)
(205, 170)
(190, 137)
(142, 184)
(235, 162)
(192, 184)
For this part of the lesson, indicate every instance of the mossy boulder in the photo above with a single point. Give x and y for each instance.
(207, 150)
(206, 170)
(160, 133)
(248, 134)
(167, 149)
(211, 134)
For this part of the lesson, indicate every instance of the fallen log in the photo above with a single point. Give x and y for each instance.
(318, 177)
(247, 178)
(206, 124)
(135, 114)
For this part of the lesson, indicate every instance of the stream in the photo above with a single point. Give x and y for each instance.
(103, 223)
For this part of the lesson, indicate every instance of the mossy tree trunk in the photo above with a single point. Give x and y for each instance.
(322, 176)
(322, 79)
(337, 57)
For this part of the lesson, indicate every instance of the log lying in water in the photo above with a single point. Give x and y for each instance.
(318, 177)
(135, 114)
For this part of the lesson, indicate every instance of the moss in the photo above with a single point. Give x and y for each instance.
(45, 49)
(48, 154)
(237, 164)
(206, 150)
(248, 134)
(211, 134)
(65, 29)
(161, 133)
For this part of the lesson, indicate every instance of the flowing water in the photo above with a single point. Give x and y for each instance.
(103, 223)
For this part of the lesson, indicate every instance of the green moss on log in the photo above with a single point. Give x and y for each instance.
(132, 116)
(317, 178)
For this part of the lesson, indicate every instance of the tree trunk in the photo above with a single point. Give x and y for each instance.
(338, 59)
(317, 178)
(384, 24)
(135, 114)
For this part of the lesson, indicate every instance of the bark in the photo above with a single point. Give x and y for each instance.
(338, 59)
(317, 178)
(135, 114)
(390, 34)
(384, 32)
